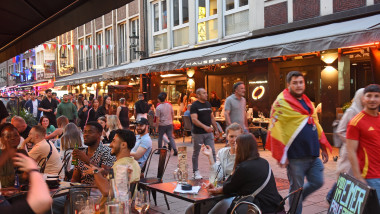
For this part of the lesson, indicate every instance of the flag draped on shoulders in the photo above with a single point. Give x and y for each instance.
(288, 117)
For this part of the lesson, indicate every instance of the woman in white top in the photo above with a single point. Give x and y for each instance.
(225, 159)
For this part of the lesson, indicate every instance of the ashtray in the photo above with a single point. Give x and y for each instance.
(186, 187)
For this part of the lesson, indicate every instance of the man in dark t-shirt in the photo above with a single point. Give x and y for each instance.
(202, 132)
(141, 108)
(48, 106)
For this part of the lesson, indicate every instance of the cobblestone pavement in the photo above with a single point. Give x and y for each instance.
(315, 203)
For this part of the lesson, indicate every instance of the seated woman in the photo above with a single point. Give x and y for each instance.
(62, 121)
(10, 139)
(71, 136)
(112, 125)
(44, 122)
(249, 174)
(103, 121)
(225, 159)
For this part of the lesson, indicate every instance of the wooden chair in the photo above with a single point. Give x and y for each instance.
(296, 199)
(162, 164)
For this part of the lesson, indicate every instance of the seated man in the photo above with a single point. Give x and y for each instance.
(44, 149)
(96, 154)
(21, 126)
(121, 145)
(143, 145)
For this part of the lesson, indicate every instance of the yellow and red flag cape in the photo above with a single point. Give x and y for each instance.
(288, 117)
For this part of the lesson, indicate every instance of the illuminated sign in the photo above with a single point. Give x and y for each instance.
(258, 82)
(205, 62)
(258, 92)
(202, 34)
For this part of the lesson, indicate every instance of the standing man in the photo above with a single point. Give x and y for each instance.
(295, 137)
(55, 98)
(67, 109)
(12, 104)
(25, 98)
(363, 140)
(32, 106)
(48, 106)
(165, 115)
(202, 118)
(234, 107)
(141, 108)
(96, 154)
(143, 145)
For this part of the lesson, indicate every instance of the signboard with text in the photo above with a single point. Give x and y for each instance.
(352, 196)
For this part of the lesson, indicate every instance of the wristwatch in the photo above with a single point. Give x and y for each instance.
(96, 171)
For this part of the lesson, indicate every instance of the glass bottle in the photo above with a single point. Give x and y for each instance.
(113, 194)
(74, 161)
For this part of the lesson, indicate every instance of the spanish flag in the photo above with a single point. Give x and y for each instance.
(288, 117)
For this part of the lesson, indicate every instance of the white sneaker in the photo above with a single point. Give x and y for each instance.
(197, 175)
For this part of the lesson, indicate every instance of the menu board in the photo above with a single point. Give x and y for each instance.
(182, 158)
(352, 196)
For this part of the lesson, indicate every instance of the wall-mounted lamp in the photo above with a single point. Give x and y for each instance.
(190, 83)
(329, 58)
(329, 69)
(190, 73)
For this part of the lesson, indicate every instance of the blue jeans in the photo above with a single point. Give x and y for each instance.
(298, 169)
(375, 183)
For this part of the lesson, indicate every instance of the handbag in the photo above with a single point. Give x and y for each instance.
(249, 198)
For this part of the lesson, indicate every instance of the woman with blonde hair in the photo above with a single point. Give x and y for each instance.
(71, 136)
(113, 123)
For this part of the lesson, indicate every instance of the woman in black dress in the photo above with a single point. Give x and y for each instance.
(83, 114)
(123, 114)
(95, 112)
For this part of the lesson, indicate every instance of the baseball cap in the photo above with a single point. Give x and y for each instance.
(142, 121)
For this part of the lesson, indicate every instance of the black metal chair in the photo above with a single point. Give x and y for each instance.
(296, 199)
(65, 163)
(246, 207)
(186, 127)
(42, 164)
(163, 161)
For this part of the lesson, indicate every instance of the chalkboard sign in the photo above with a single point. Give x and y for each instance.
(352, 196)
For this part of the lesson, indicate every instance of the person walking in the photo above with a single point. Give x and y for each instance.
(164, 118)
(141, 108)
(363, 140)
(48, 106)
(295, 137)
(234, 107)
(122, 113)
(202, 118)
(68, 109)
(32, 106)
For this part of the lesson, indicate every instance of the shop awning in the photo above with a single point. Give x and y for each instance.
(330, 36)
(83, 77)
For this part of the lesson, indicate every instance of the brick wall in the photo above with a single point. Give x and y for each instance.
(108, 19)
(88, 28)
(304, 9)
(121, 13)
(99, 22)
(133, 8)
(80, 31)
(276, 14)
(341, 5)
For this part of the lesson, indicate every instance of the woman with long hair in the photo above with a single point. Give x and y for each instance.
(249, 174)
(72, 136)
(112, 125)
(62, 121)
(106, 108)
(94, 113)
(123, 114)
(44, 122)
(103, 122)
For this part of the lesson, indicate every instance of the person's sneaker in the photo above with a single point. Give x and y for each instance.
(175, 153)
(197, 175)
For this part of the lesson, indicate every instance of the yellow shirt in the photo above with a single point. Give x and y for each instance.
(130, 161)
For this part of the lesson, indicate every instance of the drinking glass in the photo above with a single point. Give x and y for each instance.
(95, 201)
(113, 208)
(142, 201)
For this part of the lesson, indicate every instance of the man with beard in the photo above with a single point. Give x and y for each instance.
(234, 107)
(121, 145)
(143, 145)
(363, 144)
(295, 137)
(67, 109)
(96, 154)
(48, 106)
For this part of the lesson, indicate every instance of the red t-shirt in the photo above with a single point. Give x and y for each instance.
(366, 129)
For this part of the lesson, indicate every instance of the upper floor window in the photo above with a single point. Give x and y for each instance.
(108, 41)
(159, 15)
(180, 22)
(207, 20)
(88, 53)
(122, 42)
(99, 50)
(134, 39)
(236, 16)
(81, 54)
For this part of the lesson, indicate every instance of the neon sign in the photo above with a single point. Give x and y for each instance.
(258, 92)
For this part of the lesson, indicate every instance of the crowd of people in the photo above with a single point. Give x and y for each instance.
(98, 137)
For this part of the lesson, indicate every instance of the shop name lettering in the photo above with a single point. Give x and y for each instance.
(210, 61)
(348, 198)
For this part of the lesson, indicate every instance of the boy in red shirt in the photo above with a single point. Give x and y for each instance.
(363, 140)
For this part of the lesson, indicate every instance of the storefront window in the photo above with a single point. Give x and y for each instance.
(159, 14)
(99, 51)
(108, 40)
(207, 20)
(236, 17)
(135, 40)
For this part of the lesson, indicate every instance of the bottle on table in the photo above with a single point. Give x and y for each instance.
(74, 161)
